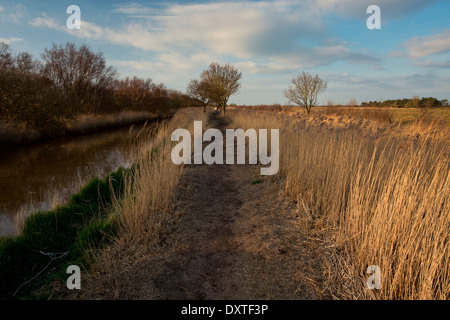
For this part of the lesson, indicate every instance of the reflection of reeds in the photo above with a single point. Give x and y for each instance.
(89, 123)
(53, 196)
(17, 134)
(57, 193)
(378, 199)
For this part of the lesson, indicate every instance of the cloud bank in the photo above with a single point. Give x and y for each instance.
(282, 35)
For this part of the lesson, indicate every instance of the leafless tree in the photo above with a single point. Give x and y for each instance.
(26, 64)
(198, 90)
(134, 93)
(352, 102)
(221, 82)
(6, 59)
(305, 89)
(80, 73)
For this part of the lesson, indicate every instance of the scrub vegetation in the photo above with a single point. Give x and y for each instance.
(72, 90)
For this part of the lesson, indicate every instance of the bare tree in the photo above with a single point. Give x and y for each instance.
(222, 82)
(80, 73)
(305, 89)
(198, 90)
(6, 59)
(26, 64)
(134, 93)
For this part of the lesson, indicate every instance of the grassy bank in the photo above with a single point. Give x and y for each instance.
(373, 194)
(83, 223)
(108, 222)
(16, 135)
(146, 211)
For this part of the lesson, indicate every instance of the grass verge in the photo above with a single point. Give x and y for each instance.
(81, 224)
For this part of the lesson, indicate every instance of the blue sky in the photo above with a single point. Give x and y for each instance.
(269, 41)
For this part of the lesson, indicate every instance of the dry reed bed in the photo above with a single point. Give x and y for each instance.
(151, 190)
(377, 195)
(148, 206)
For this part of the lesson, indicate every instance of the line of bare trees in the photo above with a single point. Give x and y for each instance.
(68, 81)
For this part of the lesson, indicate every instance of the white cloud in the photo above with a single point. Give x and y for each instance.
(10, 40)
(15, 14)
(240, 29)
(306, 57)
(136, 10)
(45, 21)
(423, 46)
(274, 31)
(276, 38)
(89, 31)
(357, 8)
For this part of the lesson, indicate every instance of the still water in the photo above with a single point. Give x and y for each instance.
(36, 176)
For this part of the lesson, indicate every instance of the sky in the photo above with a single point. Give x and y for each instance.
(270, 42)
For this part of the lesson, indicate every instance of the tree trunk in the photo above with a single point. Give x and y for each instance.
(308, 109)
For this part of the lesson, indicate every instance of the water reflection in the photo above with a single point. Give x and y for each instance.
(45, 173)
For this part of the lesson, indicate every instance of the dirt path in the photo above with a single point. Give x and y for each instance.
(234, 240)
(239, 240)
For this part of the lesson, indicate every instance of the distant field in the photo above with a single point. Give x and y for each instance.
(402, 115)
(407, 115)
(398, 114)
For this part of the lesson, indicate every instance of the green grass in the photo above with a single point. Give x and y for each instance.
(82, 224)
(412, 114)
(257, 181)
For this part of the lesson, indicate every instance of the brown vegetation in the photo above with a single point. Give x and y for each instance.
(209, 236)
(69, 84)
(147, 209)
(377, 199)
(350, 193)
